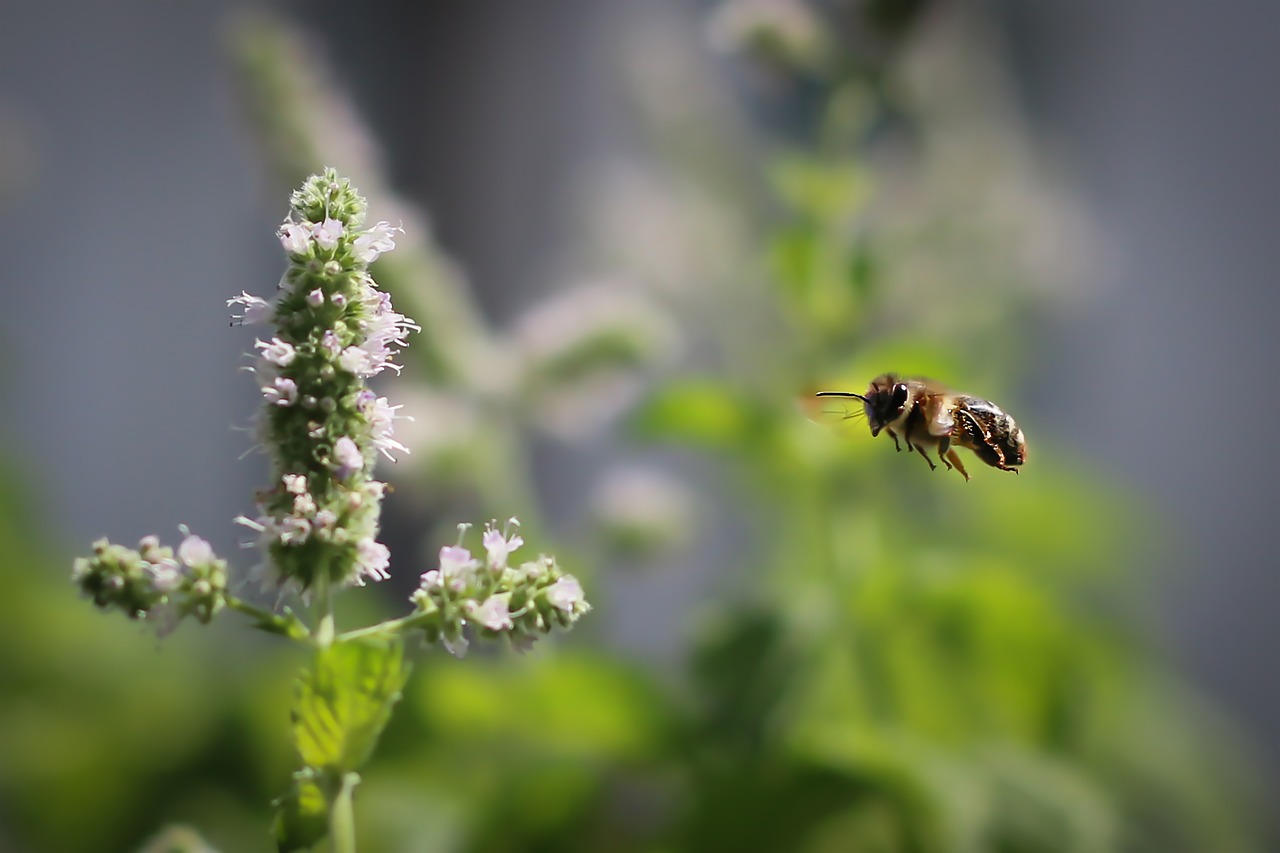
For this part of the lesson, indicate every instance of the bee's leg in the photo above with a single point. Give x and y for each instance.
(919, 449)
(944, 446)
(894, 436)
(955, 461)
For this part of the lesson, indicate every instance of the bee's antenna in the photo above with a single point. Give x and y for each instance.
(841, 394)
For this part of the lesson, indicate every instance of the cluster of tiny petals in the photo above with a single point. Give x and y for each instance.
(152, 583)
(494, 598)
(334, 330)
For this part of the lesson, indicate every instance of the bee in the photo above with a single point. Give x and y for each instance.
(927, 414)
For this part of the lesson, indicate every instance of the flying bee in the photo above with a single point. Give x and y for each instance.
(927, 414)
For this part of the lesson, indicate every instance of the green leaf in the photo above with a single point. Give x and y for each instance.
(345, 700)
(302, 816)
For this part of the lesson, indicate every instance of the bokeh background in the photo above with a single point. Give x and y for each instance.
(643, 224)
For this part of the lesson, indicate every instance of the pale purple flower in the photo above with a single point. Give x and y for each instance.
(329, 341)
(381, 416)
(373, 557)
(375, 241)
(348, 456)
(358, 361)
(566, 594)
(166, 575)
(456, 566)
(295, 238)
(498, 545)
(195, 551)
(315, 298)
(294, 484)
(327, 233)
(281, 392)
(494, 613)
(293, 530)
(388, 331)
(254, 309)
(338, 300)
(304, 505)
(278, 352)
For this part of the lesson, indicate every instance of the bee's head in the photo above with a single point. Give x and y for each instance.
(886, 399)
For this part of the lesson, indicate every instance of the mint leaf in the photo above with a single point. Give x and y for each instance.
(344, 700)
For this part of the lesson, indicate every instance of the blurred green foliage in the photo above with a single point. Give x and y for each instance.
(892, 660)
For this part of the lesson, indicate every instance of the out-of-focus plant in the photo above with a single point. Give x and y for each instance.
(892, 661)
(909, 663)
(318, 523)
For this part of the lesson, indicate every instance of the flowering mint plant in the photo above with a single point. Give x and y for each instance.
(316, 526)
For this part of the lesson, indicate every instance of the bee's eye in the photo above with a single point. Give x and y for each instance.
(899, 398)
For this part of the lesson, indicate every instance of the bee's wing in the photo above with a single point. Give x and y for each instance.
(840, 413)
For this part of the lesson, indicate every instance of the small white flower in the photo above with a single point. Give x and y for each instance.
(276, 351)
(254, 309)
(566, 594)
(293, 530)
(166, 575)
(382, 416)
(375, 241)
(281, 392)
(295, 484)
(328, 232)
(387, 332)
(295, 238)
(456, 566)
(535, 569)
(315, 298)
(329, 341)
(494, 613)
(373, 558)
(498, 545)
(304, 505)
(348, 457)
(195, 551)
(358, 361)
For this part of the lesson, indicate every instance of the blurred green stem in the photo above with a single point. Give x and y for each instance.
(285, 624)
(324, 631)
(342, 816)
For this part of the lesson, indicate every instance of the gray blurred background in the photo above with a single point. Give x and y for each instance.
(132, 205)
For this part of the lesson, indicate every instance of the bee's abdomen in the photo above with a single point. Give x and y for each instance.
(990, 433)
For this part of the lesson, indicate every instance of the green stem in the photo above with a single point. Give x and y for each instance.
(324, 631)
(394, 626)
(342, 816)
(285, 624)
